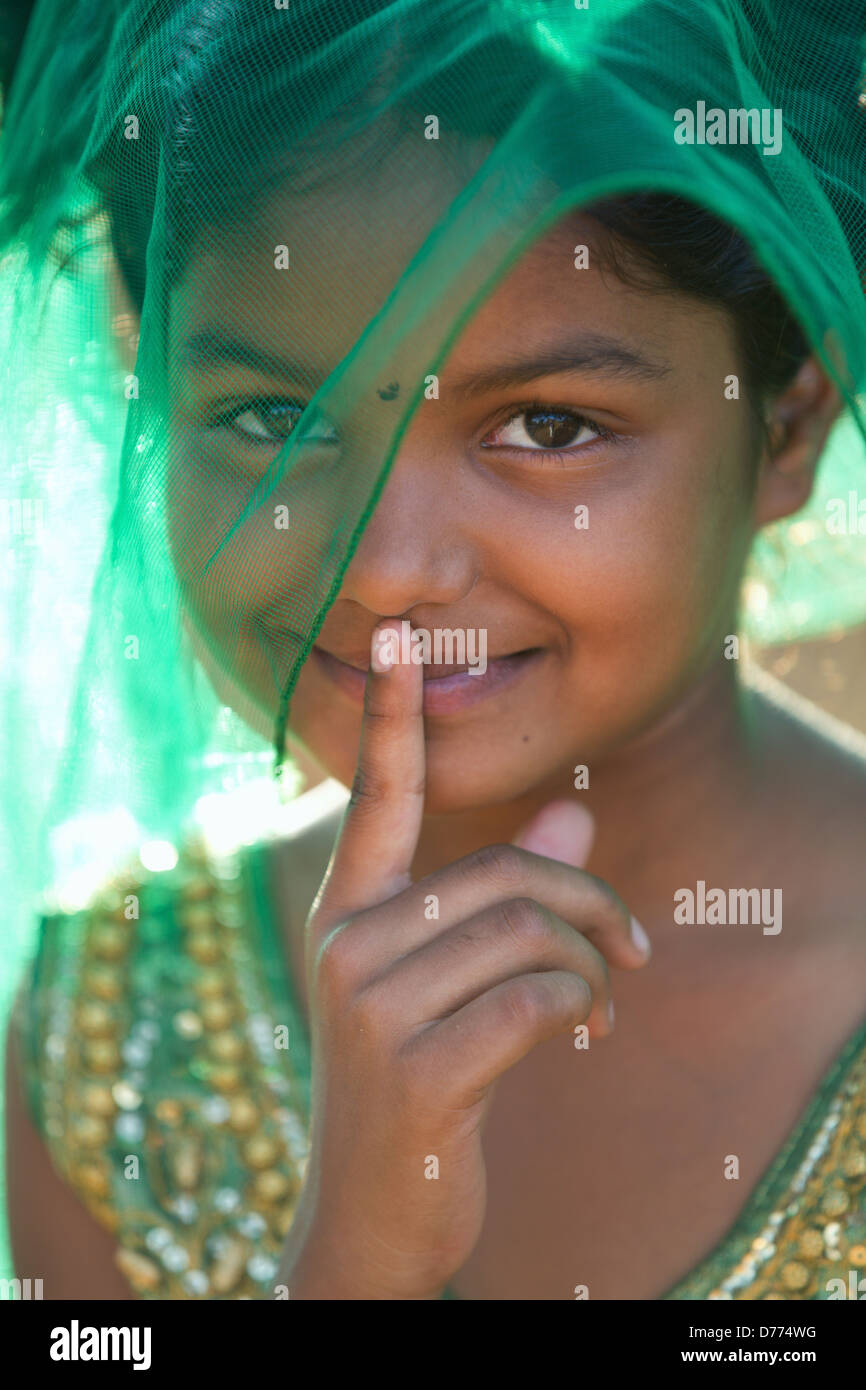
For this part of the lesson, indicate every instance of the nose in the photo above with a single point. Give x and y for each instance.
(416, 548)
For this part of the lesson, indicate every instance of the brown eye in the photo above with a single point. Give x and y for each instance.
(551, 429)
(541, 428)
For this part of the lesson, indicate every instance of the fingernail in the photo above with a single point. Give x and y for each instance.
(380, 651)
(610, 1012)
(561, 830)
(640, 938)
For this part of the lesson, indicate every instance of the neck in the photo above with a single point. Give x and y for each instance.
(677, 796)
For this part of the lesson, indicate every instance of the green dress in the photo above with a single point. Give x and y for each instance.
(167, 1066)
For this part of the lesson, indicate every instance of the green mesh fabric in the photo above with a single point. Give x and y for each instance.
(360, 176)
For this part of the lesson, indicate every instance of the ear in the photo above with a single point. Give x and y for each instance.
(799, 423)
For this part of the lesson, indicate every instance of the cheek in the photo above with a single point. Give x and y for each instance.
(651, 574)
(243, 576)
(201, 507)
(659, 575)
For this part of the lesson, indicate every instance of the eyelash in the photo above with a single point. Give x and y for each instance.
(554, 457)
(228, 417)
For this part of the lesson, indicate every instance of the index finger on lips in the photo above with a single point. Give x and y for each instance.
(378, 837)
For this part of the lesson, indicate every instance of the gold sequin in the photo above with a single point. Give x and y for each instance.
(109, 942)
(93, 1179)
(271, 1185)
(143, 1274)
(243, 1115)
(229, 1266)
(90, 1131)
(217, 1014)
(811, 1243)
(225, 1078)
(98, 1100)
(104, 981)
(226, 1047)
(168, 1112)
(854, 1163)
(96, 1021)
(197, 917)
(102, 1056)
(185, 1160)
(835, 1202)
(204, 947)
(196, 887)
(260, 1151)
(795, 1275)
(211, 984)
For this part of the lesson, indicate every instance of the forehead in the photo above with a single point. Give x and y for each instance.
(347, 247)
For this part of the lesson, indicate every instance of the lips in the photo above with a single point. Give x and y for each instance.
(432, 671)
(448, 689)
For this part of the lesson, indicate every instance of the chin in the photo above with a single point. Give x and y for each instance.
(457, 781)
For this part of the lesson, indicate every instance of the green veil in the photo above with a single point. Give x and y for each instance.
(392, 160)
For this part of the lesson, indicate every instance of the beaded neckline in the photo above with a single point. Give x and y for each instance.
(749, 1242)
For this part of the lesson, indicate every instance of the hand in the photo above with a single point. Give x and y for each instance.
(415, 1015)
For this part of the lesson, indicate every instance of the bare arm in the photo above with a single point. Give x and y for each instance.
(54, 1237)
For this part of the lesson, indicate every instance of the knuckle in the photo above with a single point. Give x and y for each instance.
(369, 1012)
(502, 864)
(527, 922)
(368, 791)
(336, 961)
(545, 1000)
(523, 1003)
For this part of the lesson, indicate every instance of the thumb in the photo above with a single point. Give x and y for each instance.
(562, 830)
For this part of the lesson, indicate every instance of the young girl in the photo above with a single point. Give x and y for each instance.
(499, 601)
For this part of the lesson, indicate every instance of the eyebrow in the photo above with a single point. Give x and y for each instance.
(589, 352)
(208, 346)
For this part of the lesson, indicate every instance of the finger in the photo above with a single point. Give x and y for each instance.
(487, 879)
(475, 1045)
(378, 837)
(562, 830)
(464, 962)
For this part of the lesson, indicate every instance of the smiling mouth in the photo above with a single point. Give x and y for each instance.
(448, 689)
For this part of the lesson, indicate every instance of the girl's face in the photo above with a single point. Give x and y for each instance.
(567, 391)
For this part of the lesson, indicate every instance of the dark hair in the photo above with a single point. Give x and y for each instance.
(657, 242)
(660, 243)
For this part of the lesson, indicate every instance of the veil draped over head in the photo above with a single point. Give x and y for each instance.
(350, 180)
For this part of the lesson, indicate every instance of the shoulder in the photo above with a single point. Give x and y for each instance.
(815, 745)
(146, 1041)
(816, 764)
(812, 795)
